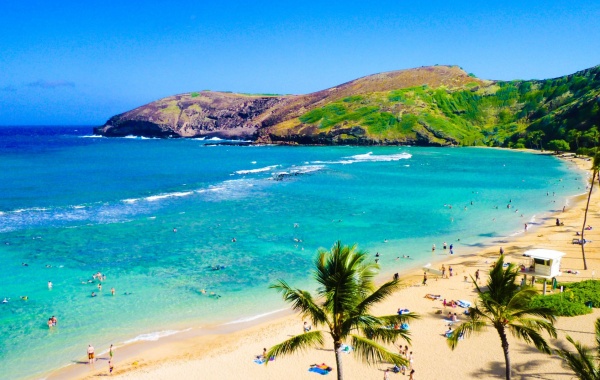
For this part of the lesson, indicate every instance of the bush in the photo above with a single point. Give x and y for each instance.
(572, 301)
(585, 291)
(591, 152)
(558, 146)
(561, 305)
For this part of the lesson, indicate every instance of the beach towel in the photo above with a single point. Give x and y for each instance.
(403, 311)
(318, 370)
(463, 303)
(321, 369)
(259, 361)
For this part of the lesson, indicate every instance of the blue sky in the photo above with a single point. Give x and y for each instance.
(81, 62)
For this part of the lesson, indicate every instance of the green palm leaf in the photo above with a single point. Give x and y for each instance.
(372, 352)
(296, 343)
(346, 293)
(504, 305)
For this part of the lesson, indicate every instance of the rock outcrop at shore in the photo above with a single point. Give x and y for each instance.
(202, 114)
(427, 106)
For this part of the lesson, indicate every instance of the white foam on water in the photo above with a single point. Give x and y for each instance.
(252, 318)
(153, 336)
(368, 157)
(158, 197)
(308, 169)
(216, 139)
(259, 170)
(92, 137)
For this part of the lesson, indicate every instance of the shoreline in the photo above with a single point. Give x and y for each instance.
(143, 356)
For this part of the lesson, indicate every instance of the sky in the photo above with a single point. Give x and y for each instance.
(81, 62)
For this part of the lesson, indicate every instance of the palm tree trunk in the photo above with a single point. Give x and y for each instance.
(338, 360)
(502, 333)
(587, 206)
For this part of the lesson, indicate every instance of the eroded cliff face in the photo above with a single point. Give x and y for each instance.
(203, 114)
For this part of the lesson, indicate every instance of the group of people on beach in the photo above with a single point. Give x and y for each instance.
(444, 246)
(91, 354)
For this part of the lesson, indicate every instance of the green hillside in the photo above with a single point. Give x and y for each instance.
(435, 105)
(509, 114)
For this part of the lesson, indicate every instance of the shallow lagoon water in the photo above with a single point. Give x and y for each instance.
(73, 205)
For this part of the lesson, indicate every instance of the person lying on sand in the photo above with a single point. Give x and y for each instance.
(433, 297)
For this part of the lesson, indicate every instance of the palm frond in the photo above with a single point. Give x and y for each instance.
(372, 352)
(465, 330)
(383, 292)
(530, 335)
(536, 324)
(388, 320)
(582, 362)
(386, 335)
(302, 302)
(296, 343)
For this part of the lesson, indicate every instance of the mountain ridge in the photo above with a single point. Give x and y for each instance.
(430, 105)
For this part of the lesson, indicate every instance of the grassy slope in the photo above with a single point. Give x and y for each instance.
(472, 112)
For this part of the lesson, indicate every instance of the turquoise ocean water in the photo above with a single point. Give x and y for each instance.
(72, 205)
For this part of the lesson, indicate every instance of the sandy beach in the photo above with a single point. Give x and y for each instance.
(227, 352)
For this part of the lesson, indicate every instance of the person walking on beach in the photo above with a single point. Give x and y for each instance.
(110, 352)
(477, 276)
(412, 375)
(443, 271)
(424, 278)
(450, 270)
(452, 249)
(386, 374)
(90, 352)
(110, 367)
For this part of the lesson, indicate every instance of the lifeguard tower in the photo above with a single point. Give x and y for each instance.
(545, 263)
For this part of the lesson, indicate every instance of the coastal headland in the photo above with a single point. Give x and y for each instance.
(227, 351)
(425, 106)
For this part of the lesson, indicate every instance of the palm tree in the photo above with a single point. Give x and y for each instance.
(506, 307)
(584, 363)
(595, 168)
(344, 299)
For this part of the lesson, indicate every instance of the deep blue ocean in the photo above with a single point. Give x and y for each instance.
(156, 217)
